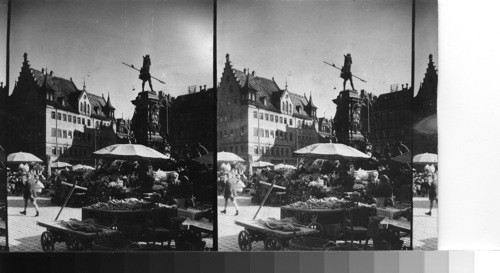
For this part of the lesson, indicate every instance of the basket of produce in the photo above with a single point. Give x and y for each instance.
(124, 204)
(113, 244)
(309, 244)
(329, 203)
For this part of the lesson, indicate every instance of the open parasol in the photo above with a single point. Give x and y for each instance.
(59, 165)
(228, 157)
(205, 159)
(330, 151)
(403, 158)
(262, 164)
(21, 157)
(425, 158)
(129, 152)
(82, 167)
(427, 126)
(284, 166)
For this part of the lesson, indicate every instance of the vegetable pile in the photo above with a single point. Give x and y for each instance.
(320, 204)
(124, 204)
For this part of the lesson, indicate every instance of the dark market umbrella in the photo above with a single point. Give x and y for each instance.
(427, 126)
(205, 159)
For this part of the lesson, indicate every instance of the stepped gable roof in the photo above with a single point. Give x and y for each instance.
(65, 90)
(269, 90)
(393, 100)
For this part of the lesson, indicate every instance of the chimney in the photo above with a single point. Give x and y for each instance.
(201, 88)
(406, 86)
(253, 73)
(51, 73)
(1, 84)
(402, 86)
(43, 70)
(245, 70)
(205, 87)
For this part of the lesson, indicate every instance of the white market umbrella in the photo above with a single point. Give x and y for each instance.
(228, 157)
(59, 165)
(129, 152)
(262, 164)
(82, 167)
(425, 158)
(330, 151)
(22, 157)
(284, 166)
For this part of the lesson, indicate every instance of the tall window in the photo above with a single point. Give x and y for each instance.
(65, 134)
(53, 132)
(267, 117)
(256, 150)
(267, 133)
(59, 116)
(65, 117)
(255, 131)
(53, 115)
(59, 133)
(272, 118)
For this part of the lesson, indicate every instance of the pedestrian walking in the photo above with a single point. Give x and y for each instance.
(433, 192)
(29, 190)
(230, 183)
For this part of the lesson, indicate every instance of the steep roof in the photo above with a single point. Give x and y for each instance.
(269, 90)
(67, 94)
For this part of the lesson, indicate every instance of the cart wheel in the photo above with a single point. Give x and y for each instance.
(47, 241)
(273, 243)
(318, 227)
(245, 240)
(75, 244)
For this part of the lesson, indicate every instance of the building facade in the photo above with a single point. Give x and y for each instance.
(391, 119)
(425, 105)
(193, 120)
(258, 120)
(54, 120)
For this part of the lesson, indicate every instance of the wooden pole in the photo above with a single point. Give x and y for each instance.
(67, 199)
(265, 199)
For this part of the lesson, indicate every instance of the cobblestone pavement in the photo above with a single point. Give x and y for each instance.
(24, 233)
(425, 227)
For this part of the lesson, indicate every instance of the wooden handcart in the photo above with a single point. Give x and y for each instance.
(75, 240)
(273, 239)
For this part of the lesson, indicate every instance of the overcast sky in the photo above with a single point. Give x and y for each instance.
(73, 38)
(277, 38)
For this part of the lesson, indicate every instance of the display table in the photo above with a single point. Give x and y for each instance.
(130, 222)
(388, 212)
